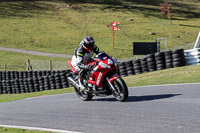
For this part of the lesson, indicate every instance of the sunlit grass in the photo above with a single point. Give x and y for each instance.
(58, 27)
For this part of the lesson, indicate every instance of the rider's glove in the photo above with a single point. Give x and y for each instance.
(88, 67)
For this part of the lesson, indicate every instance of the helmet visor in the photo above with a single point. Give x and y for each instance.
(90, 44)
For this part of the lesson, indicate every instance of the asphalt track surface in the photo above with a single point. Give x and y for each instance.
(153, 109)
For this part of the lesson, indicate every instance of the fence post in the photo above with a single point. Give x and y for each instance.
(4, 66)
(50, 65)
(29, 67)
(28, 64)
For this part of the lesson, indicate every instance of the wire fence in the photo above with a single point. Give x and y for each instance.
(49, 65)
(36, 65)
(12, 67)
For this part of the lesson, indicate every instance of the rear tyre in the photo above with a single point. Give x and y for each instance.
(122, 93)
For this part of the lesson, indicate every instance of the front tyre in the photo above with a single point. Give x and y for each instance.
(85, 96)
(122, 90)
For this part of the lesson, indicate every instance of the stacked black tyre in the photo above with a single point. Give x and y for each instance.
(8, 87)
(26, 86)
(122, 69)
(58, 81)
(4, 88)
(30, 85)
(1, 91)
(151, 62)
(168, 59)
(137, 66)
(1, 75)
(52, 82)
(160, 60)
(4, 75)
(178, 58)
(129, 68)
(46, 83)
(21, 86)
(144, 65)
(12, 75)
(64, 79)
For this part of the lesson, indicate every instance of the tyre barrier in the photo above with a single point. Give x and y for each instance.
(192, 56)
(178, 58)
(137, 66)
(129, 68)
(168, 59)
(154, 62)
(14, 82)
(160, 60)
(122, 69)
(151, 62)
(144, 65)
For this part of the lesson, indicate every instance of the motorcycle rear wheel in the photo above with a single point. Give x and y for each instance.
(85, 96)
(122, 88)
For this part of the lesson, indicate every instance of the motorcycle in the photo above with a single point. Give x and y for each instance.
(103, 75)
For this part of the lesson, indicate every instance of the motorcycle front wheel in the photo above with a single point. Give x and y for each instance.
(83, 95)
(122, 90)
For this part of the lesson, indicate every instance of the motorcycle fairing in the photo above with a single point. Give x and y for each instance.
(113, 77)
(98, 75)
(70, 63)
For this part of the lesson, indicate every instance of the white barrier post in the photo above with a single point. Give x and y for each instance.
(197, 44)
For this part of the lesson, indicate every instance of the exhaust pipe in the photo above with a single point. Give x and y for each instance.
(73, 82)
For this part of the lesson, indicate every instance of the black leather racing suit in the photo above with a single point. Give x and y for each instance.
(82, 56)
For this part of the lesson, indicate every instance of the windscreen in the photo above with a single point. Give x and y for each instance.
(102, 56)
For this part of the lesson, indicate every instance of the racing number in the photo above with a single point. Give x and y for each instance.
(110, 62)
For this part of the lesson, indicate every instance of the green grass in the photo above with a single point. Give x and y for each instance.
(13, 130)
(14, 97)
(58, 26)
(187, 74)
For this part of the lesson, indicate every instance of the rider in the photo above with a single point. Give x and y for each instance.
(83, 55)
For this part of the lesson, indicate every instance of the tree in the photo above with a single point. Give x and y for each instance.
(166, 10)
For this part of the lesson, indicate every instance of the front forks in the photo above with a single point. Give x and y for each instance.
(111, 86)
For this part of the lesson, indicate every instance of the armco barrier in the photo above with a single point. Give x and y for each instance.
(192, 56)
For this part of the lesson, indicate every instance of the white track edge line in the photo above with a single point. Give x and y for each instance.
(39, 129)
(167, 85)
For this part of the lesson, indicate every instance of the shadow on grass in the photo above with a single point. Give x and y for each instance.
(189, 25)
(123, 49)
(141, 98)
(23, 8)
(146, 7)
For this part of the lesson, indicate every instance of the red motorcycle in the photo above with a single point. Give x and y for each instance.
(103, 75)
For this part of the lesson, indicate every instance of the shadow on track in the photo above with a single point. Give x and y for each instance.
(141, 98)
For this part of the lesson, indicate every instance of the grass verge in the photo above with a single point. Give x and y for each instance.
(14, 97)
(14, 130)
